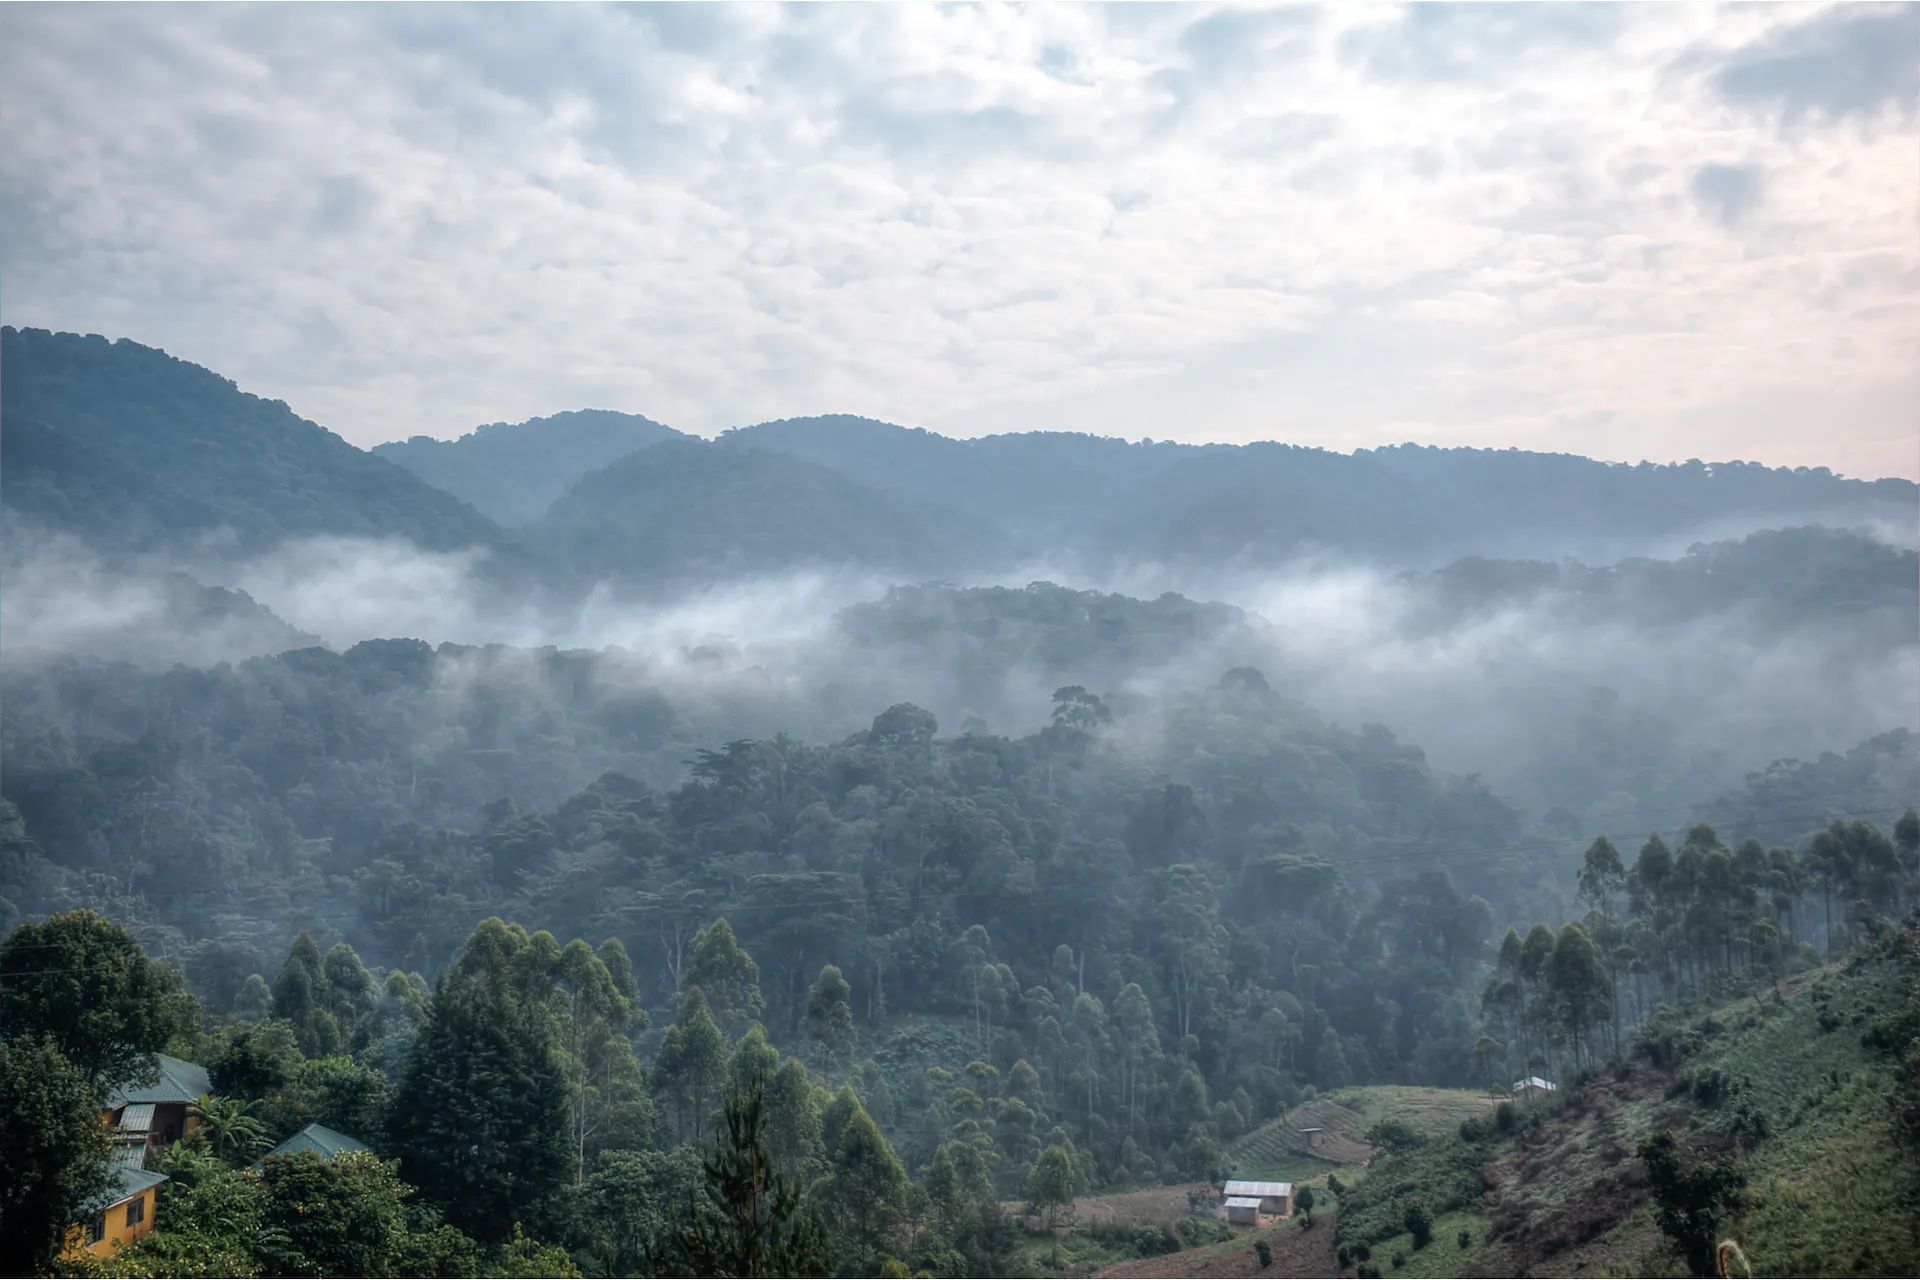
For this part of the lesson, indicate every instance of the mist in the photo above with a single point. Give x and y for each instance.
(1556, 698)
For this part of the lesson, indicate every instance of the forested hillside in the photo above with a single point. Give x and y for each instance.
(512, 472)
(647, 825)
(184, 447)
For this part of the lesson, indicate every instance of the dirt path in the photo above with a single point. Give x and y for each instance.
(1295, 1253)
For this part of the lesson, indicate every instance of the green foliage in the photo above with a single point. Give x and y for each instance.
(229, 1128)
(754, 1220)
(1419, 1224)
(1692, 1200)
(80, 980)
(829, 1018)
(863, 1198)
(481, 1113)
(53, 1158)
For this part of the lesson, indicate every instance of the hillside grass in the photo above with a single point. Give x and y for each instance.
(1790, 1088)
(1273, 1150)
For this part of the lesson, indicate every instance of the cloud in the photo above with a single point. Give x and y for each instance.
(1130, 219)
(1848, 60)
(1728, 192)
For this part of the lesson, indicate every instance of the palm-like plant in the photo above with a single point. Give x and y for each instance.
(229, 1126)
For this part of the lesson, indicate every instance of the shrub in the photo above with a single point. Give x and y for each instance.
(1399, 1261)
(1503, 1117)
(1466, 1239)
(1368, 1273)
(1343, 1256)
(1419, 1225)
(1262, 1251)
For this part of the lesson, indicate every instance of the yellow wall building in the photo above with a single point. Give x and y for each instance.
(119, 1217)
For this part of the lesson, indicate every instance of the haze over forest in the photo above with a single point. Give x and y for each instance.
(454, 709)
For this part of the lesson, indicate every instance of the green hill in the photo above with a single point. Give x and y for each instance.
(512, 472)
(1801, 1093)
(131, 434)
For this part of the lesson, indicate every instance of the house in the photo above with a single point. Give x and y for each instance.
(1533, 1088)
(123, 1213)
(161, 1113)
(317, 1138)
(1270, 1199)
(1244, 1211)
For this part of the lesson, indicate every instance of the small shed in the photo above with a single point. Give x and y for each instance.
(1313, 1137)
(1533, 1088)
(1244, 1211)
(1275, 1198)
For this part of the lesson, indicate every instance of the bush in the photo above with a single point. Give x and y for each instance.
(1262, 1251)
(1399, 1261)
(1368, 1273)
(1343, 1256)
(1394, 1135)
(1419, 1225)
(1503, 1118)
(1466, 1239)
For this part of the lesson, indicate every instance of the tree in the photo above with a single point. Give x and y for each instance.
(829, 1018)
(726, 976)
(753, 1221)
(692, 1065)
(1051, 1186)
(256, 1060)
(1578, 985)
(229, 1128)
(79, 979)
(338, 1217)
(481, 1114)
(863, 1196)
(636, 1204)
(1419, 1224)
(53, 1161)
(1305, 1202)
(793, 1122)
(1690, 1204)
(1602, 876)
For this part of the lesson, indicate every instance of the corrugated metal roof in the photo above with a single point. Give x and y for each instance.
(129, 1155)
(178, 1081)
(128, 1183)
(1263, 1190)
(1535, 1082)
(1242, 1202)
(137, 1118)
(317, 1138)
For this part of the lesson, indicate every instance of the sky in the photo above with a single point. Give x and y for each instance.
(1630, 232)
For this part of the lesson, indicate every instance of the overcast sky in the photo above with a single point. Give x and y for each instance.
(1660, 232)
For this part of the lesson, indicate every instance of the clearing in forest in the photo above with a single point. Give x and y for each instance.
(1282, 1148)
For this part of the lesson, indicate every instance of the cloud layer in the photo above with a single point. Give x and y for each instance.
(1661, 231)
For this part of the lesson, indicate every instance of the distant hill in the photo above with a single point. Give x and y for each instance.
(512, 472)
(1098, 501)
(138, 430)
(687, 509)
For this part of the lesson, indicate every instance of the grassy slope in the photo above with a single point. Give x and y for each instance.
(1565, 1194)
(1274, 1150)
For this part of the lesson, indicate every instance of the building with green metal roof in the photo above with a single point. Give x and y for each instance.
(317, 1138)
(160, 1112)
